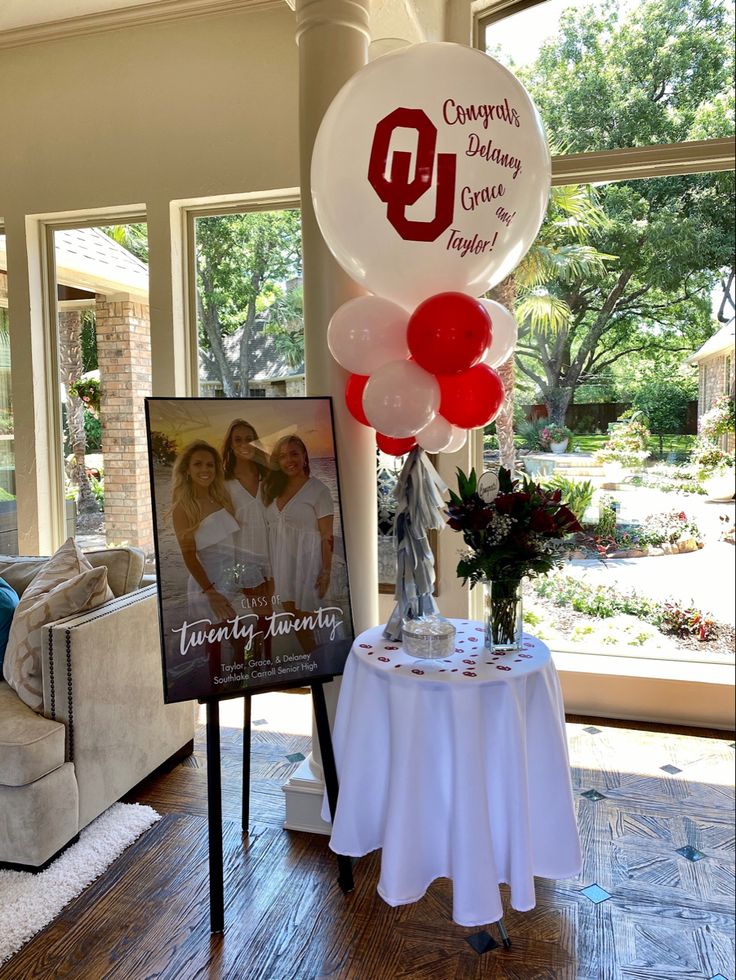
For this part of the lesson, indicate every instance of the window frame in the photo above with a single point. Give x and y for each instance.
(48, 227)
(280, 201)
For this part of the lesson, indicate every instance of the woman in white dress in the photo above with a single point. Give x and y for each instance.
(244, 465)
(205, 528)
(299, 511)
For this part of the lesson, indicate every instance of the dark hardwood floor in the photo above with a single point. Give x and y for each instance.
(667, 917)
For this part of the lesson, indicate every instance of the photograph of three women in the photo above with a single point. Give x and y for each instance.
(252, 577)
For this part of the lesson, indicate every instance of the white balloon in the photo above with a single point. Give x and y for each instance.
(430, 173)
(458, 440)
(436, 436)
(400, 399)
(505, 333)
(368, 332)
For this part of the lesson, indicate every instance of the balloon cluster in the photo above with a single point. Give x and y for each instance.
(427, 378)
(430, 178)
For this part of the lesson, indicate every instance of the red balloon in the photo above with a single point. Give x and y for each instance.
(472, 398)
(354, 397)
(449, 333)
(394, 447)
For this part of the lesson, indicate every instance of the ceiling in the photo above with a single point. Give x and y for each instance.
(23, 20)
(28, 13)
(410, 19)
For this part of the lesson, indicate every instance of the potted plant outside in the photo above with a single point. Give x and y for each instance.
(714, 468)
(558, 437)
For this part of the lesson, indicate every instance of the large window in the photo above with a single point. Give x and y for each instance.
(103, 356)
(8, 513)
(249, 303)
(623, 284)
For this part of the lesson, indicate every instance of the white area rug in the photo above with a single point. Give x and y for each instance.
(28, 902)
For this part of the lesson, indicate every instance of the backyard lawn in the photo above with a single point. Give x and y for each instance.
(670, 444)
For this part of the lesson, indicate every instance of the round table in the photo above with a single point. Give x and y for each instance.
(456, 768)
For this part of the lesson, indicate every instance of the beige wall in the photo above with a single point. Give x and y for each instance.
(134, 118)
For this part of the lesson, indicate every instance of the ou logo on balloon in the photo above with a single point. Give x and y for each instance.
(397, 190)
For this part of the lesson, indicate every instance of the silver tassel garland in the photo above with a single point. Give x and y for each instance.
(420, 508)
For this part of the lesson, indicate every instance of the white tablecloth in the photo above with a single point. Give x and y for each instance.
(457, 768)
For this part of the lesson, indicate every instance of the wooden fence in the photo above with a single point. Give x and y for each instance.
(592, 417)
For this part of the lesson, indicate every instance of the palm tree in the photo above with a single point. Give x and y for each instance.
(560, 255)
(285, 323)
(133, 237)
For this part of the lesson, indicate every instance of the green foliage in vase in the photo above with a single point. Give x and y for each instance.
(524, 532)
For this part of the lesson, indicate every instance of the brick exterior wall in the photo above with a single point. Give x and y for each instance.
(124, 357)
(717, 377)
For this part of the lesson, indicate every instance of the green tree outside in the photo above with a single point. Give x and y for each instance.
(661, 73)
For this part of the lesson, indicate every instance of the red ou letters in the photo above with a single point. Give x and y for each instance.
(398, 190)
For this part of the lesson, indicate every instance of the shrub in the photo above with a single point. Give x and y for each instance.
(607, 514)
(627, 443)
(603, 602)
(680, 483)
(669, 527)
(92, 432)
(98, 491)
(576, 495)
(663, 403)
(6, 422)
(687, 621)
(530, 434)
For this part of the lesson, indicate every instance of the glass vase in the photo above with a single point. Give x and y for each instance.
(502, 608)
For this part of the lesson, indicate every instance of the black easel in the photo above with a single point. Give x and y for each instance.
(214, 789)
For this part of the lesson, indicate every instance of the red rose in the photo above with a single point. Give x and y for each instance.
(504, 503)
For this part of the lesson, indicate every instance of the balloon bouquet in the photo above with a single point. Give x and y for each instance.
(430, 179)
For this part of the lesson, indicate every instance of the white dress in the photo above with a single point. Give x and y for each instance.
(215, 543)
(251, 541)
(296, 544)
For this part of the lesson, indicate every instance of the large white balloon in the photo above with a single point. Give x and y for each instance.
(505, 333)
(436, 436)
(430, 173)
(400, 399)
(458, 440)
(368, 332)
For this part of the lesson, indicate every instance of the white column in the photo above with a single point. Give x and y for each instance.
(333, 37)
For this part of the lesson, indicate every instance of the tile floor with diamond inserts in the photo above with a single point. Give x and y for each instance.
(654, 900)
